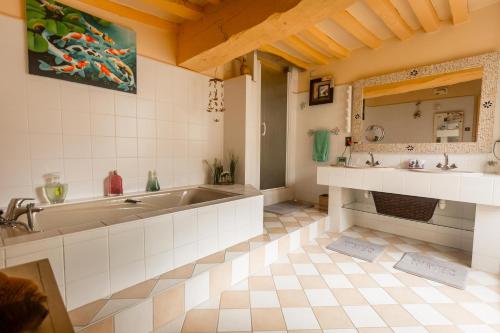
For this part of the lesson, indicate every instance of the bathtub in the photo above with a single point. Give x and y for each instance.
(123, 208)
(97, 248)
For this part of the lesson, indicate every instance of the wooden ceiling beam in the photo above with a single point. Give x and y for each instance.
(183, 9)
(386, 11)
(329, 43)
(352, 26)
(214, 2)
(132, 14)
(288, 57)
(306, 50)
(426, 14)
(237, 27)
(459, 11)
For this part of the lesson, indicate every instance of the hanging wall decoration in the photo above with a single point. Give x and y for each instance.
(68, 44)
(321, 91)
(215, 96)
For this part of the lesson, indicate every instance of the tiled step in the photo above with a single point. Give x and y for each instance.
(157, 302)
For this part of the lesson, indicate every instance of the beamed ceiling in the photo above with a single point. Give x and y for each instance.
(303, 32)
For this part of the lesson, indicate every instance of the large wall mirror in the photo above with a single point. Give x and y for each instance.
(443, 107)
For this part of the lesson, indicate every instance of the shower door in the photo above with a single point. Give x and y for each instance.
(273, 128)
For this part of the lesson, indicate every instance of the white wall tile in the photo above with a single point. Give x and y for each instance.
(126, 127)
(103, 125)
(126, 147)
(41, 120)
(146, 108)
(75, 98)
(185, 254)
(76, 123)
(125, 105)
(77, 146)
(77, 169)
(146, 128)
(18, 151)
(159, 234)
(185, 227)
(197, 290)
(103, 147)
(40, 168)
(102, 101)
(146, 147)
(137, 319)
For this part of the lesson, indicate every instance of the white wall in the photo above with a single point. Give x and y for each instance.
(316, 117)
(83, 132)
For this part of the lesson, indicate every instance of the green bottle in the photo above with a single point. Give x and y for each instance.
(153, 183)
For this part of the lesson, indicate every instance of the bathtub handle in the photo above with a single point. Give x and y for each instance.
(264, 128)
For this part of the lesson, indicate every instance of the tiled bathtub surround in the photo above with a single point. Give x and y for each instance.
(94, 261)
(160, 301)
(84, 132)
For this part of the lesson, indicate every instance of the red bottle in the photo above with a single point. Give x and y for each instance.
(115, 184)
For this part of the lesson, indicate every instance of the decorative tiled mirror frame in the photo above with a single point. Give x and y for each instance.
(490, 63)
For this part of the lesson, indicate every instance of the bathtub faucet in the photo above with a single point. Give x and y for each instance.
(15, 209)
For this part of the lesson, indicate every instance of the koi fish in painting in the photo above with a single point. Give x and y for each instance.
(79, 68)
(68, 44)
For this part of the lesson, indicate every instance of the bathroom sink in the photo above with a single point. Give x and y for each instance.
(445, 171)
(368, 167)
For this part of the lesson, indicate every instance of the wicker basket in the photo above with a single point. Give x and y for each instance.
(405, 206)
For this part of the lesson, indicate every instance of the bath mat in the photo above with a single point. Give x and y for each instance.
(357, 248)
(287, 207)
(430, 268)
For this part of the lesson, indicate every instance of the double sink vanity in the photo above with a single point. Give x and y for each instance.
(430, 110)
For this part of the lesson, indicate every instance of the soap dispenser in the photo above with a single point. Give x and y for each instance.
(153, 183)
(115, 184)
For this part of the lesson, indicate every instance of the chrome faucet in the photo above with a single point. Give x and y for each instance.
(446, 165)
(15, 209)
(372, 163)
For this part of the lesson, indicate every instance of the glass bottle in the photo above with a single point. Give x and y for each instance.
(54, 190)
(115, 184)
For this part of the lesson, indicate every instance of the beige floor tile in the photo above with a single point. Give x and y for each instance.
(141, 290)
(372, 267)
(456, 314)
(339, 257)
(267, 320)
(313, 249)
(374, 330)
(443, 329)
(235, 300)
(362, 281)
(328, 268)
(168, 305)
(104, 326)
(332, 317)
(283, 246)
(83, 315)
(410, 280)
(349, 296)
(276, 230)
(304, 331)
(282, 269)
(292, 298)
(260, 238)
(395, 315)
(215, 258)
(183, 272)
(457, 295)
(299, 258)
(304, 234)
(261, 283)
(404, 295)
(312, 282)
(201, 321)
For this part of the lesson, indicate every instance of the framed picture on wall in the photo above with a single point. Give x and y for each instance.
(68, 44)
(321, 91)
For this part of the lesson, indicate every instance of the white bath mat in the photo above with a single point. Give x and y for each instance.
(430, 268)
(357, 248)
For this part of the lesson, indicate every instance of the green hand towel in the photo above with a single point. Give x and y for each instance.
(321, 146)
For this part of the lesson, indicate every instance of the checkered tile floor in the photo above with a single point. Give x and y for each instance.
(317, 290)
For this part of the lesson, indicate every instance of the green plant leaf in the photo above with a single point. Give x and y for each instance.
(31, 14)
(51, 26)
(36, 24)
(37, 43)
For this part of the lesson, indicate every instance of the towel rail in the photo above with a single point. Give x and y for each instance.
(334, 131)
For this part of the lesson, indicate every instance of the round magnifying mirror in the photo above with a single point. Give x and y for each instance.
(374, 133)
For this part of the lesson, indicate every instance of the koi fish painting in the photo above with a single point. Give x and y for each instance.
(68, 44)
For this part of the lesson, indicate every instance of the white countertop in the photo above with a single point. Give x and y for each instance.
(473, 187)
